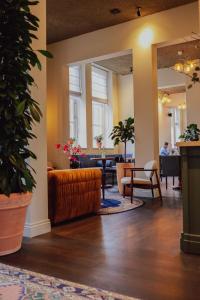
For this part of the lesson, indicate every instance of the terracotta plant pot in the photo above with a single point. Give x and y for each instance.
(12, 219)
(120, 175)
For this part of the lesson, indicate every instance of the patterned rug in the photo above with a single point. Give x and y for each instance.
(18, 284)
(114, 203)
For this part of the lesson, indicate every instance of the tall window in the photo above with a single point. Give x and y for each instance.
(101, 106)
(77, 105)
(175, 126)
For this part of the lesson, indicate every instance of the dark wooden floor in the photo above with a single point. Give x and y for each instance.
(134, 253)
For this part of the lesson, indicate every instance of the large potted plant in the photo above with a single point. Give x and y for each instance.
(124, 132)
(18, 112)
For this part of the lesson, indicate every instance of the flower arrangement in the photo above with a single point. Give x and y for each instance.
(72, 150)
(99, 140)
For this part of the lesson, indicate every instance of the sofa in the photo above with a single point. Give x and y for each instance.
(73, 193)
(86, 162)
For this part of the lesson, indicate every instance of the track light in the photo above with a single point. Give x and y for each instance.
(139, 11)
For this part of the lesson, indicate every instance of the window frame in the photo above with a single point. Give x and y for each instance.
(107, 109)
(79, 118)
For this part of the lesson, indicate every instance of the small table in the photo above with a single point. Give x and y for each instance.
(103, 159)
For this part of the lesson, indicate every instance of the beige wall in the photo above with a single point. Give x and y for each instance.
(107, 41)
(165, 120)
(126, 104)
(37, 218)
(193, 104)
(164, 125)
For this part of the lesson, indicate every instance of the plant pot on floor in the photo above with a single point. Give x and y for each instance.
(120, 175)
(12, 219)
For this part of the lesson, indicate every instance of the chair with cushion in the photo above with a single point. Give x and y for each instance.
(150, 182)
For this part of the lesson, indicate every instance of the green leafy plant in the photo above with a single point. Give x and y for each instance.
(195, 77)
(192, 133)
(18, 110)
(123, 133)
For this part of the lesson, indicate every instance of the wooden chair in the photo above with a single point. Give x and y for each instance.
(150, 182)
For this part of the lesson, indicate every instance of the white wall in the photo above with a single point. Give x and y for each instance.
(169, 78)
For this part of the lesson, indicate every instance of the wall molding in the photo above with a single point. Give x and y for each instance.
(37, 228)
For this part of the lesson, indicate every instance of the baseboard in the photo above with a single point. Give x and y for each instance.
(37, 228)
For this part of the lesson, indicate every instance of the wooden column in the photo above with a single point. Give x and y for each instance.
(190, 163)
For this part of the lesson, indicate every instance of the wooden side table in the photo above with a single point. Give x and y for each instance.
(103, 159)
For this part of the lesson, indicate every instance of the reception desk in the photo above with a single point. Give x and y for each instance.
(190, 169)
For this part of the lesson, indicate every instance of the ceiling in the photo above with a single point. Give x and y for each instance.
(121, 65)
(69, 18)
(173, 90)
(167, 57)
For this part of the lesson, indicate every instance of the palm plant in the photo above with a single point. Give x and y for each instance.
(124, 132)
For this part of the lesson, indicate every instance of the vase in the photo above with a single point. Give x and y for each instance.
(74, 164)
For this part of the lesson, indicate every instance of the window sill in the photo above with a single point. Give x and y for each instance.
(106, 149)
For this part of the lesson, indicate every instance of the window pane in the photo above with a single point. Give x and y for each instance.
(98, 119)
(75, 79)
(74, 116)
(99, 83)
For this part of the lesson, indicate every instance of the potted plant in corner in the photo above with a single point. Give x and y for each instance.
(192, 133)
(124, 132)
(18, 112)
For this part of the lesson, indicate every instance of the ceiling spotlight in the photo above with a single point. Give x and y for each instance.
(139, 11)
(180, 52)
(115, 11)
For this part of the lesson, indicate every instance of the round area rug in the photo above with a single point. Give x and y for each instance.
(115, 203)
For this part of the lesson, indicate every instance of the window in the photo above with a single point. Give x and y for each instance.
(175, 126)
(77, 105)
(101, 106)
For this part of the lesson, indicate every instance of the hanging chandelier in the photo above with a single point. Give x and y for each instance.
(164, 98)
(182, 106)
(186, 67)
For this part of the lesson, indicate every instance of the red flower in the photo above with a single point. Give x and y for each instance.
(71, 150)
(65, 148)
(58, 146)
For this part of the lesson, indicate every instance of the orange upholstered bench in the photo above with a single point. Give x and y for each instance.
(73, 193)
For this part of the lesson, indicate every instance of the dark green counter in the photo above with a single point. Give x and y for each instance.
(190, 165)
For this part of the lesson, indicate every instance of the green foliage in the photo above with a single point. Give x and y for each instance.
(123, 132)
(195, 77)
(192, 133)
(18, 110)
